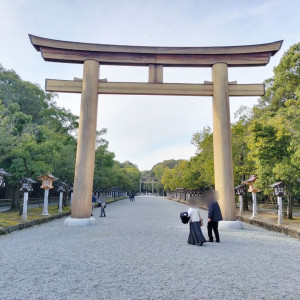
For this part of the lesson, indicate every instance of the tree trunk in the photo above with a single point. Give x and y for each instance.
(245, 204)
(13, 193)
(290, 206)
(246, 207)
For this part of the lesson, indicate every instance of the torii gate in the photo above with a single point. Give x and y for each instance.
(93, 55)
(148, 180)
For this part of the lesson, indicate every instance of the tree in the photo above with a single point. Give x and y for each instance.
(158, 171)
(275, 130)
(36, 135)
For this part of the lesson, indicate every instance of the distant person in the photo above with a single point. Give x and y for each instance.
(196, 236)
(131, 196)
(214, 216)
(103, 206)
(94, 199)
(98, 202)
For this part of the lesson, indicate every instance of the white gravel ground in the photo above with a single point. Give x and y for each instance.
(140, 251)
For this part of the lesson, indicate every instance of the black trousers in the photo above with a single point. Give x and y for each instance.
(213, 226)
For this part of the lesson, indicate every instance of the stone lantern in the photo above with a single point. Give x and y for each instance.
(241, 191)
(47, 181)
(252, 189)
(278, 189)
(61, 189)
(3, 174)
(26, 187)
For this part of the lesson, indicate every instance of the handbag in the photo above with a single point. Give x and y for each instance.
(201, 222)
(184, 217)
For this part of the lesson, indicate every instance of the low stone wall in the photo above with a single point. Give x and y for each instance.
(10, 229)
(6, 230)
(271, 227)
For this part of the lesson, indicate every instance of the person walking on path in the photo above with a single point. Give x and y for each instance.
(94, 199)
(214, 216)
(103, 206)
(196, 236)
(131, 196)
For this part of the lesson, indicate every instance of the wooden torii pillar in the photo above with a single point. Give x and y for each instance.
(94, 55)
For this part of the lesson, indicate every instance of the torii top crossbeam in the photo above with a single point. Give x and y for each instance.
(233, 56)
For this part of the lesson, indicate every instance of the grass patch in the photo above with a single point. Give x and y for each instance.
(12, 217)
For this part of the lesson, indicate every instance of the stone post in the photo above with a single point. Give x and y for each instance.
(254, 205)
(60, 202)
(45, 208)
(279, 200)
(241, 200)
(25, 205)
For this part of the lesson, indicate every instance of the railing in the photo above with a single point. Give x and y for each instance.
(185, 195)
(55, 200)
(5, 202)
(39, 201)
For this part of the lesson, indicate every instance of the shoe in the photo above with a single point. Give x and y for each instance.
(201, 244)
(91, 215)
(210, 241)
(100, 216)
(217, 241)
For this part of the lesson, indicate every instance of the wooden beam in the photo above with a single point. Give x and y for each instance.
(139, 88)
(246, 90)
(169, 60)
(155, 73)
(100, 80)
(39, 42)
(63, 86)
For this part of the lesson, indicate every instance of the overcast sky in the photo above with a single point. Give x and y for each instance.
(146, 129)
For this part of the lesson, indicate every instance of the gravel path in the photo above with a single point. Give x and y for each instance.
(140, 252)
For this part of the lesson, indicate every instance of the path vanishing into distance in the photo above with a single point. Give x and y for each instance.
(140, 251)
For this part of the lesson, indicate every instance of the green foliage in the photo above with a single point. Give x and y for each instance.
(274, 137)
(158, 171)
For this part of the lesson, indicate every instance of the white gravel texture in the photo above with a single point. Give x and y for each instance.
(140, 251)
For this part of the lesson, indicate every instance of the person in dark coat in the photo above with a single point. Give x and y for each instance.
(214, 216)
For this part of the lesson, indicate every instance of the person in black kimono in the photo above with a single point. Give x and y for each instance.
(214, 216)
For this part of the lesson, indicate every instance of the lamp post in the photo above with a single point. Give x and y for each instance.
(47, 181)
(61, 189)
(240, 191)
(26, 187)
(278, 189)
(250, 181)
(3, 174)
(71, 189)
